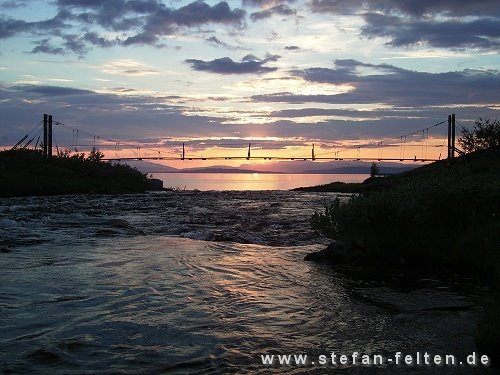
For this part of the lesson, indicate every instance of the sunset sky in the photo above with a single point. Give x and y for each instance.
(280, 74)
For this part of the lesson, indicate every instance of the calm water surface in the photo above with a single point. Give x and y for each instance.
(199, 282)
(251, 181)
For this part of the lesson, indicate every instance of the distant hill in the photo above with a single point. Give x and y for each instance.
(383, 169)
(295, 166)
(148, 167)
(330, 167)
(219, 170)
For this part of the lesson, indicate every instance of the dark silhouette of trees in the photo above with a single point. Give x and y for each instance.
(485, 134)
(95, 155)
(374, 171)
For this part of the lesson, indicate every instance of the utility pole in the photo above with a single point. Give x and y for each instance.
(249, 147)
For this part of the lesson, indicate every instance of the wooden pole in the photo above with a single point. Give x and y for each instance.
(183, 151)
(249, 147)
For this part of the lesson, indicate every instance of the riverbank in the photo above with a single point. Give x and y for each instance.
(26, 172)
(439, 219)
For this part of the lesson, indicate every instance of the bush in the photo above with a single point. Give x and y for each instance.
(26, 172)
(449, 219)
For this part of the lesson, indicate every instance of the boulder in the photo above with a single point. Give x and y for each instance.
(155, 184)
(336, 252)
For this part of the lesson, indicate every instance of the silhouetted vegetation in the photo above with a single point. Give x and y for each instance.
(26, 172)
(484, 135)
(440, 217)
(374, 171)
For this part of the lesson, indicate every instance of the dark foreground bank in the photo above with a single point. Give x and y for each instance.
(26, 172)
(440, 218)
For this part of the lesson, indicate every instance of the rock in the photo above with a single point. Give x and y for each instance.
(336, 252)
(118, 223)
(155, 184)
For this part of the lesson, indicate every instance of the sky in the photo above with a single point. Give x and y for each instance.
(216, 75)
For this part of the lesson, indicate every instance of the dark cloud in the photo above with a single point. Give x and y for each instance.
(117, 116)
(216, 42)
(281, 10)
(141, 22)
(292, 48)
(45, 47)
(481, 33)
(265, 3)
(248, 65)
(397, 87)
(12, 4)
(166, 21)
(437, 23)
(52, 90)
(10, 27)
(414, 8)
(96, 40)
(104, 114)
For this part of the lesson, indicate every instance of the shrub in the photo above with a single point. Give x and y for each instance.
(450, 220)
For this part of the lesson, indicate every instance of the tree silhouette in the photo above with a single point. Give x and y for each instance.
(485, 134)
(95, 156)
(374, 171)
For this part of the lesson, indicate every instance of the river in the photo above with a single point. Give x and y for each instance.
(202, 283)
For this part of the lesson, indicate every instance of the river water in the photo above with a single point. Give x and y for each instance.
(202, 282)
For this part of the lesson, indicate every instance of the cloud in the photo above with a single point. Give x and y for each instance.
(52, 90)
(248, 65)
(96, 40)
(13, 4)
(101, 113)
(281, 10)
(265, 3)
(166, 21)
(138, 21)
(44, 46)
(396, 86)
(480, 33)
(455, 24)
(413, 8)
(128, 67)
(216, 42)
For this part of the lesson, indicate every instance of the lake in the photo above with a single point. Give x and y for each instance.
(250, 181)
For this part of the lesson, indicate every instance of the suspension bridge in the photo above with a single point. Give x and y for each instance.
(402, 146)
